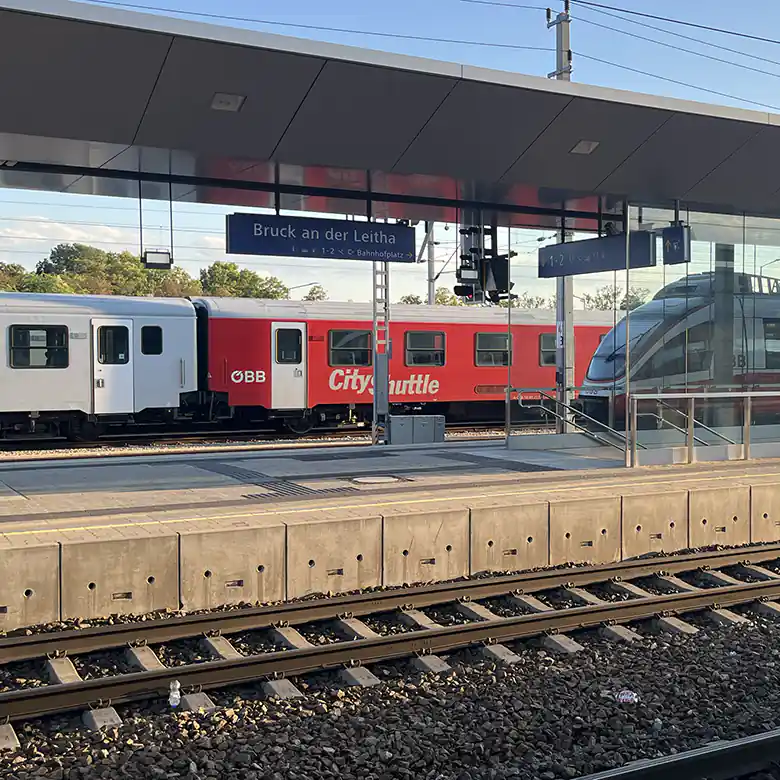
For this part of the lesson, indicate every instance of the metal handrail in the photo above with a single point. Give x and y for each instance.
(672, 425)
(746, 395)
(546, 394)
(700, 424)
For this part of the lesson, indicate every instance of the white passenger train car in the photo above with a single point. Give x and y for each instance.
(71, 364)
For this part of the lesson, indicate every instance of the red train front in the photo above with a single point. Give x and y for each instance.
(307, 364)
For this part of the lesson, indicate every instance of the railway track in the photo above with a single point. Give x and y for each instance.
(203, 442)
(490, 611)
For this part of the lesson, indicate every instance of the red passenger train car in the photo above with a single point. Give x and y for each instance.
(307, 364)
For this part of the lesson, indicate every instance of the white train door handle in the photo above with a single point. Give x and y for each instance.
(100, 383)
(298, 372)
(182, 373)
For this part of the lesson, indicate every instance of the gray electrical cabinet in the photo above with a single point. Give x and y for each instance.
(416, 429)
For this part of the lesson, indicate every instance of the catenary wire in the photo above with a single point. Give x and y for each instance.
(674, 34)
(502, 4)
(250, 20)
(710, 57)
(226, 17)
(682, 22)
(677, 81)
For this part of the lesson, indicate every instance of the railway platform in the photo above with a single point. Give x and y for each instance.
(100, 536)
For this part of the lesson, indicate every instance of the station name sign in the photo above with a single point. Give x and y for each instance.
(597, 254)
(261, 234)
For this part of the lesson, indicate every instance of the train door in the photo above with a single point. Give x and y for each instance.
(288, 365)
(112, 366)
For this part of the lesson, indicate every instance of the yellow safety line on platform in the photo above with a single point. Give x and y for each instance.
(303, 510)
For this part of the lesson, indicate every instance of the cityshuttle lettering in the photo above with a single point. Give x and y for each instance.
(352, 379)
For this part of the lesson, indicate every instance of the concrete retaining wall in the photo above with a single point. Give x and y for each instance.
(55, 575)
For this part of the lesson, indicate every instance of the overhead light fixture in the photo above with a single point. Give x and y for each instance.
(223, 101)
(584, 147)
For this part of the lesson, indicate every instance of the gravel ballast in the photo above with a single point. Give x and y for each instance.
(547, 717)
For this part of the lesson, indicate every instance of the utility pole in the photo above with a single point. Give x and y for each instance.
(564, 298)
(431, 264)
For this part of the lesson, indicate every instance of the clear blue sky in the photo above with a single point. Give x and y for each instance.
(457, 19)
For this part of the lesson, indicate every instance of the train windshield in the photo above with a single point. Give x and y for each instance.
(609, 361)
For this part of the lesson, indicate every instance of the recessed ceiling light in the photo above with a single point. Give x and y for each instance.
(584, 147)
(222, 101)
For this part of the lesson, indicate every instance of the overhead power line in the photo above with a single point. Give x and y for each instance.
(677, 81)
(321, 28)
(682, 22)
(762, 71)
(490, 44)
(674, 34)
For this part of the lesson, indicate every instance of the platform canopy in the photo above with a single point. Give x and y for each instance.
(99, 87)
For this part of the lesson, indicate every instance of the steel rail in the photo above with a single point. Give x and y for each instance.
(51, 699)
(76, 641)
(717, 761)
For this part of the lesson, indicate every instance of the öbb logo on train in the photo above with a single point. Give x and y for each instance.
(248, 377)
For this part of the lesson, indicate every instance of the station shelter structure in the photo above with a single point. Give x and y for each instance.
(110, 102)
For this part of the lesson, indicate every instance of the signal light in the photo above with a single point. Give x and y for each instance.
(464, 290)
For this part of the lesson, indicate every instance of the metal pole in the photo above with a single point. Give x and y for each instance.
(689, 437)
(627, 362)
(510, 350)
(748, 411)
(564, 290)
(431, 264)
(633, 460)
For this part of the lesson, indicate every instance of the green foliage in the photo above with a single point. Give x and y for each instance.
(79, 268)
(226, 279)
(526, 301)
(445, 297)
(411, 300)
(316, 293)
(608, 297)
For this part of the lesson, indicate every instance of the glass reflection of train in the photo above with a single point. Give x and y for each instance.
(681, 340)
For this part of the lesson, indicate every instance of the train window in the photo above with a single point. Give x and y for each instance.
(547, 349)
(490, 349)
(289, 346)
(424, 348)
(151, 340)
(39, 346)
(113, 345)
(772, 343)
(350, 347)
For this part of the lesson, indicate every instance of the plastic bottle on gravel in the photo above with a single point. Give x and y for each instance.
(627, 697)
(174, 699)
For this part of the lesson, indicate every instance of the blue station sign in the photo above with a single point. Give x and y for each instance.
(597, 254)
(269, 234)
(676, 243)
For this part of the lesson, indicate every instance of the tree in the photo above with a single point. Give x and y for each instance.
(11, 276)
(226, 279)
(316, 293)
(171, 283)
(526, 301)
(86, 269)
(608, 297)
(411, 300)
(45, 283)
(445, 297)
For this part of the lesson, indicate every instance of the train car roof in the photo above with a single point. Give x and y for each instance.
(99, 305)
(261, 308)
